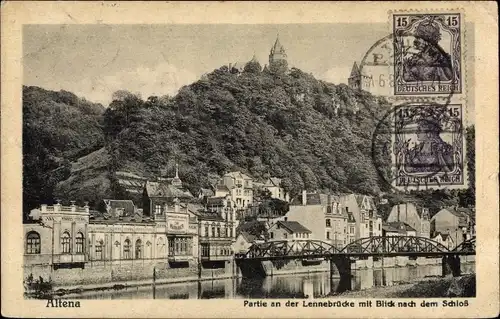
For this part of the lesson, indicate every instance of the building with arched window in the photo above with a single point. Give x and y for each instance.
(138, 249)
(56, 236)
(33, 243)
(59, 238)
(66, 243)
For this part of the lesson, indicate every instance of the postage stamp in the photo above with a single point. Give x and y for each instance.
(427, 54)
(428, 146)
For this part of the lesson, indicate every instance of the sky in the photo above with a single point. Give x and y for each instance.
(93, 61)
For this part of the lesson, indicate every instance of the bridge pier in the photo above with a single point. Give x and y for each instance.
(251, 268)
(451, 264)
(343, 264)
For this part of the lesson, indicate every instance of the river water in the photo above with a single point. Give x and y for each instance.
(313, 285)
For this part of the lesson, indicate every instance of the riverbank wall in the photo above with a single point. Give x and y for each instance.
(402, 261)
(283, 267)
(119, 272)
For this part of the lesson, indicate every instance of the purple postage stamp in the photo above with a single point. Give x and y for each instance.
(427, 53)
(429, 146)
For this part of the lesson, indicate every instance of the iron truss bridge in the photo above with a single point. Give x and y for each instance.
(388, 246)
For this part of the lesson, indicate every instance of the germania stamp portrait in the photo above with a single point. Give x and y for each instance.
(429, 145)
(427, 54)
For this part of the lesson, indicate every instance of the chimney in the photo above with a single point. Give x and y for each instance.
(304, 197)
(43, 208)
(329, 204)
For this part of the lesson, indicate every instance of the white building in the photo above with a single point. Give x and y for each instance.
(237, 185)
(288, 230)
(273, 185)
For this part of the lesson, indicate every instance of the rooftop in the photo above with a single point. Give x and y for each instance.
(293, 226)
(164, 189)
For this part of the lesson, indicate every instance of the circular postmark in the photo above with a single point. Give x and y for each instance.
(418, 146)
(382, 65)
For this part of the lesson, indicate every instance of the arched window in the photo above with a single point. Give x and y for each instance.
(126, 249)
(149, 247)
(160, 248)
(79, 239)
(138, 249)
(98, 250)
(33, 243)
(66, 243)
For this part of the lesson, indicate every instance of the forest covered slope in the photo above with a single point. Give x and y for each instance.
(313, 134)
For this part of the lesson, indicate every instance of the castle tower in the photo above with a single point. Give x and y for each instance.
(277, 57)
(357, 80)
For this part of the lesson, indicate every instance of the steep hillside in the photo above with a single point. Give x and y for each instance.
(313, 134)
(58, 127)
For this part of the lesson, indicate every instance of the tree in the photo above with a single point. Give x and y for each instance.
(252, 66)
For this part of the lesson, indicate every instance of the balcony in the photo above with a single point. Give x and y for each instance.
(178, 258)
(69, 258)
(216, 257)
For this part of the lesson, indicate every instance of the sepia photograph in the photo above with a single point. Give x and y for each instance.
(231, 162)
(243, 160)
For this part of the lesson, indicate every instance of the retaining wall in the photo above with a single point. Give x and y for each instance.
(125, 271)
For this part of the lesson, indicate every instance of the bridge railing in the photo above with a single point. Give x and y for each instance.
(369, 245)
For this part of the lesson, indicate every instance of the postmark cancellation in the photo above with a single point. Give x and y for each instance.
(428, 146)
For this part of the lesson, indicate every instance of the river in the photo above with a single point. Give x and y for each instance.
(311, 285)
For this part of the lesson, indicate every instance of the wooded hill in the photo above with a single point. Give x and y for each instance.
(312, 134)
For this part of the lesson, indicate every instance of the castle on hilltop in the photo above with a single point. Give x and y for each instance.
(277, 62)
(277, 57)
(357, 80)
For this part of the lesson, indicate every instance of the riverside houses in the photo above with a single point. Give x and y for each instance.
(73, 245)
(322, 215)
(217, 224)
(366, 219)
(455, 221)
(413, 215)
(237, 185)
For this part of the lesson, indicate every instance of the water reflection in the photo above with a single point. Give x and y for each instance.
(278, 286)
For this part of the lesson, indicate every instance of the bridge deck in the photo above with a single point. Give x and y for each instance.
(354, 255)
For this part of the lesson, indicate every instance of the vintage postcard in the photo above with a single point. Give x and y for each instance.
(249, 160)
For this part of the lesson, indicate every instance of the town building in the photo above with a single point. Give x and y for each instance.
(400, 229)
(322, 214)
(389, 230)
(444, 239)
(217, 232)
(455, 221)
(351, 228)
(415, 216)
(288, 230)
(159, 195)
(57, 236)
(123, 241)
(119, 245)
(119, 208)
(205, 193)
(237, 185)
(226, 208)
(244, 241)
(367, 221)
(273, 185)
